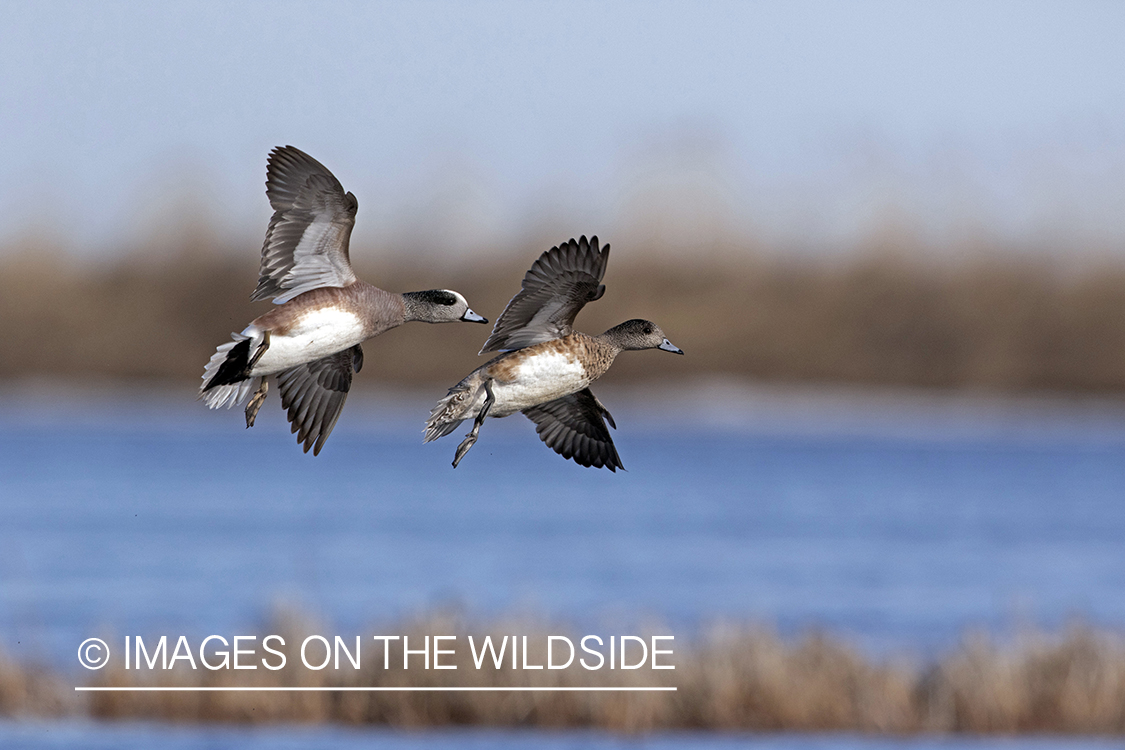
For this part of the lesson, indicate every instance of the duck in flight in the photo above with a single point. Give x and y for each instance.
(547, 367)
(311, 341)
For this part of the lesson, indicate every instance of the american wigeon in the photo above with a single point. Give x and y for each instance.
(311, 340)
(547, 366)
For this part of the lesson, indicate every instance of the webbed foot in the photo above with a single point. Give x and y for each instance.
(471, 438)
(256, 403)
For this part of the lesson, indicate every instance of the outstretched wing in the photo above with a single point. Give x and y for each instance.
(306, 243)
(313, 395)
(572, 426)
(556, 287)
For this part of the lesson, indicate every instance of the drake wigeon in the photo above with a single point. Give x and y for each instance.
(547, 366)
(311, 340)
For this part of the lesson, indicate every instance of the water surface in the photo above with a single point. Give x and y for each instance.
(897, 526)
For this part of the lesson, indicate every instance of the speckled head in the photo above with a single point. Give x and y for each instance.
(639, 334)
(439, 306)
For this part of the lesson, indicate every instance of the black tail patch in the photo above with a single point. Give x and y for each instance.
(234, 369)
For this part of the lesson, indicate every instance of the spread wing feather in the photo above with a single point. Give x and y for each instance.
(556, 287)
(306, 243)
(313, 395)
(572, 426)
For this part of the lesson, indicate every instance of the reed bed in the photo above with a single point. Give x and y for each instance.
(733, 678)
(34, 690)
(994, 320)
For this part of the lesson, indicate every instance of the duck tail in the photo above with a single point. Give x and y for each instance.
(227, 395)
(449, 412)
(226, 378)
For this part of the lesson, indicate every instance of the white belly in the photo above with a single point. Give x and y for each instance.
(316, 335)
(539, 379)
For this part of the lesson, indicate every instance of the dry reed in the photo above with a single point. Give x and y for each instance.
(996, 321)
(31, 690)
(732, 678)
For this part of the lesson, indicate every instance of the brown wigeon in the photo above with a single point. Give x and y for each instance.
(547, 367)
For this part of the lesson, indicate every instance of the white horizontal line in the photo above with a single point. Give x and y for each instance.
(372, 689)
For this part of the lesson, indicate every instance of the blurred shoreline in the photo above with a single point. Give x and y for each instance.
(719, 404)
(994, 322)
(735, 677)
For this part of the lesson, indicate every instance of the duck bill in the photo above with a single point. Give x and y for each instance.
(668, 346)
(472, 317)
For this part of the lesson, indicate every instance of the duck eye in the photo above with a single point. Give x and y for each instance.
(648, 329)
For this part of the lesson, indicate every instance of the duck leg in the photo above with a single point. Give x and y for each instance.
(256, 402)
(263, 386)
(258, 354)
(471, 438)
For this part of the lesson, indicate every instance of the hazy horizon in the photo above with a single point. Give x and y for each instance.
(464, 126)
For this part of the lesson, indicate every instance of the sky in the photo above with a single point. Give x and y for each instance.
(461, 126)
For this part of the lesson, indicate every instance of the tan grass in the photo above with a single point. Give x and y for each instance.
(731, 678)
(31, 690)
(993, 321)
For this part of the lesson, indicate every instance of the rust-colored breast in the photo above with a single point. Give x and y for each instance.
(594, 356)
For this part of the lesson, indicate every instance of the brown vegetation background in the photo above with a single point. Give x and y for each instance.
(995, 319)
(732, 678)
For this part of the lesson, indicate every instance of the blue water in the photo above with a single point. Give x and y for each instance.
(896, 527)
(168, 519)
(88, 736)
